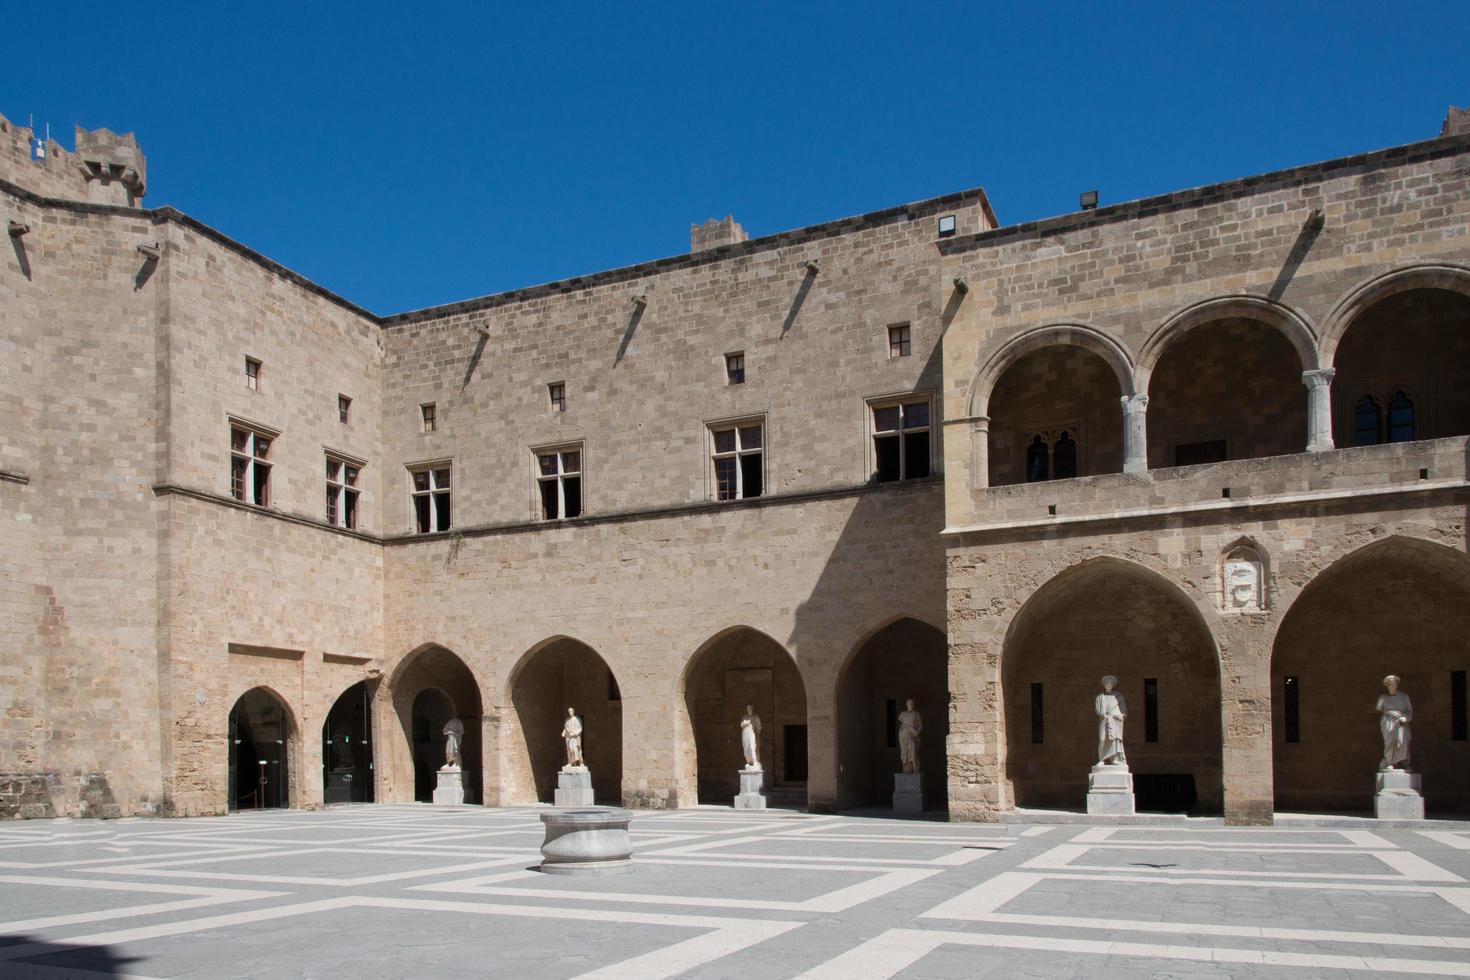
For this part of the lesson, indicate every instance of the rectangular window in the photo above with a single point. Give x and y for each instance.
(344, 406)
(1038, 730)
(427, 413)
(342, 492)
(1458, 728)
(1291, 710)
(252, 374)
(558, 392)
(1195, 453)
(250, 467)
(430, 496)
(1150, 709)
(901, 447)
(899, 341)
(738, 458)
(735, 368)
(559, 480)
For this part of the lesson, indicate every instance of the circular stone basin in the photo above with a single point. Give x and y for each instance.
(587, 842)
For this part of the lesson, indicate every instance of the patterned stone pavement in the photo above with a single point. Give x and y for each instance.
(419, 891)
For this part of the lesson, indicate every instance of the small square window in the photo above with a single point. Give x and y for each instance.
(344, 407)
(430, 417)
(558, 392)
(252, 374)
(735, 368)
(899, 344)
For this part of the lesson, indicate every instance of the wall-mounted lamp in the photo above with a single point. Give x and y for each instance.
(152, 251)
(1316, 220)
(962, 284)
(946, 225)
(813, 266)
(1087, 200)
(18, 228)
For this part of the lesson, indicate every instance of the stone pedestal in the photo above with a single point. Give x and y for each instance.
(339, 786)
(908, 792)
(574, 786)
(751, 797)
(1399, 795)
(451, 786)
(1110, 791)
(586, 842)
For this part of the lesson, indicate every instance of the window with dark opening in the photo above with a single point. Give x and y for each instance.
(1292, 709)
(1367, 422)
(901, 441)
(1038, 461)
(737, 456)
(250, 467)
(735, 368)
(1400, 418)
(252, 374)
(559, 479)
(429, 415)
(431, 499)
(899, 341)
(1064, 457)
(344, 407)
(342, 493)
(1038, 729)
(558, 392)
(1150, 709)
(1196, 453)
(1458, 728)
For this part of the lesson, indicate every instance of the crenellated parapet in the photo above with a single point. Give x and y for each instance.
(105, 167)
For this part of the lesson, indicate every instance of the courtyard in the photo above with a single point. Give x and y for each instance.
(422, 891)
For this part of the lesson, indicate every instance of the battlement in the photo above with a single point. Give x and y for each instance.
(105, 168)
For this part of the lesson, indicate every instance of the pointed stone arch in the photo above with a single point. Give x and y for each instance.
(417, 749)
(264, 751)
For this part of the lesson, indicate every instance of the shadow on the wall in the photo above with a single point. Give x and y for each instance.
(44, 958)
(797, 302)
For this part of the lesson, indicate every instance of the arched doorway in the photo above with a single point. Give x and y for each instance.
(1055, 414)
(742, 666)
(555, 675)
(1108, 616)
(906, 659)
(1228, 388)
(262, 753)
(431, 687)
(347, 747)
(1403, 370)
(1398, 606)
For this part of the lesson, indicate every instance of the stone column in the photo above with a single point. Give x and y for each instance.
(1319, 409)
(1248, 775)
(1135, 433)
(979, 452)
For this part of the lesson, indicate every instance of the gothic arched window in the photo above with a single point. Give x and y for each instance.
(1064, 457)
(1037, 468)
(1400, 418)
(1367, 422)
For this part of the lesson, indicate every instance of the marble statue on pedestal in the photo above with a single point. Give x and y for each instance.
(910, 724)
(750, 731)
(1111, 709)
(571, 733)
(453, 739)
(1394, 714)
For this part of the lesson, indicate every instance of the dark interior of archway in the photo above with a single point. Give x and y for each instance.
(261, 740)
(1394, 609)
(1110, 618)
(442, 671)
(347, 747)
(1048, 393)
(746, 667)
(1230, 389)
(568, 674)
(1416, 342)
(907, 659)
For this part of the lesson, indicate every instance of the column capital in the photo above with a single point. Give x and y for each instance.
(1319, 377)
(1134, 403)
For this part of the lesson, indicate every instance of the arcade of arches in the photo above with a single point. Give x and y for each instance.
(1055, 413)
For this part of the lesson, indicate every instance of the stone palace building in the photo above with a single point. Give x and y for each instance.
(260, 544)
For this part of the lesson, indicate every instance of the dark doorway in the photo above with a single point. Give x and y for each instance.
(795, 760)
(347, 748)
(431, 712)
(260, 742)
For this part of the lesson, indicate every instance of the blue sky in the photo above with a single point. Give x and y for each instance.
(406, 155)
